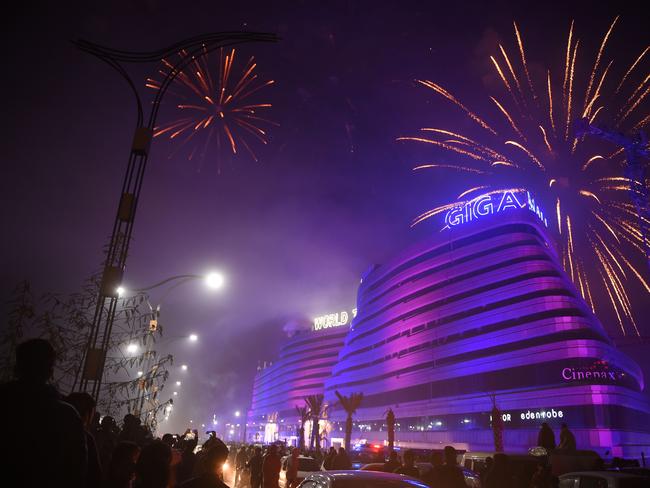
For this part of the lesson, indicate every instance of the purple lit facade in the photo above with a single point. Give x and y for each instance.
(306, 361)
(480, 309)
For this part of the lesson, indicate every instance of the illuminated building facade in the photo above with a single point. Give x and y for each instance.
(305, 362)
(480, 313)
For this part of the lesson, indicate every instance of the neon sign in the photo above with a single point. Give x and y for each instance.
(492, 203)
(333, 320)
(577, 374)
(542, 414)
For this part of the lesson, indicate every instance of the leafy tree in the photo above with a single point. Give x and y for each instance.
(66, 321)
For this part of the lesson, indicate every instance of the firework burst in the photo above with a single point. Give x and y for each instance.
(215, 105)
(530, 143)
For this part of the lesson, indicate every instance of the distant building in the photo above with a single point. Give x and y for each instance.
(479, 311)
(305, 362)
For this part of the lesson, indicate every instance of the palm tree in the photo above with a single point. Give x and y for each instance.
(315, 404)
(303, 414)
(497, 424)
(390, 423)
(350, 404)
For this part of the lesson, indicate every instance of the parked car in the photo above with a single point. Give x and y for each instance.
(524, 465)
(602, 479)
(359, 479)
(472, 480)
(306, 465)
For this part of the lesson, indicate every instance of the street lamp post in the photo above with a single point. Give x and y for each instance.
(147, 392)
(117, 252)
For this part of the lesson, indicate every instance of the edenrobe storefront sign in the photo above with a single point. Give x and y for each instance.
(544, 414)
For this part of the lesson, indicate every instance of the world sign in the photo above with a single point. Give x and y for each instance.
(492, 203)
(333, 320)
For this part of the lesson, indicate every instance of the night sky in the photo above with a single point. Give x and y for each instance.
(332, 193)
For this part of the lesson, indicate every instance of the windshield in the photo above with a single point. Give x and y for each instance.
(308, 465)
(370, 483)
(632, 482)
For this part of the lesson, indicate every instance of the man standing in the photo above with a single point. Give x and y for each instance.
(567, 439)
(255, 467)
(546, 438)
(85, 404)
(408, 468)
(450, 475)
(240, 463)
(214, 457)
(292, 468)
(329, 459)
(271, 468)
(342, 460)
(393, 462)
(45, 442)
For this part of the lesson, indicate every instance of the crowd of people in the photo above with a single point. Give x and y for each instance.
(58, 441)
(546, 438)
(53, 440)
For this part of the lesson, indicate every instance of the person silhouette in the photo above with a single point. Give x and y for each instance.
(213, 458)
(153, 468)
(546, 437)
(567, 439)
(47, 438)
(85, 404)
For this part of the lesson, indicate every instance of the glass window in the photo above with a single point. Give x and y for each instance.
(568, 483)
(305, 464)
(633, 483)
(308, 484)
(592, 482)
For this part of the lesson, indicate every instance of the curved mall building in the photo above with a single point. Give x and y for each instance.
(480, 313)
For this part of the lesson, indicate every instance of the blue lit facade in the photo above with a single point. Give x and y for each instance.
(484, 310)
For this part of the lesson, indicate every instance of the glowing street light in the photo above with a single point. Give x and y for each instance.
(175, 393)
(178, 383)
(120, 291)
(237, 413)
(214, 280)
(193, 337)
(184, 367)
(140, 373)
(132, 348)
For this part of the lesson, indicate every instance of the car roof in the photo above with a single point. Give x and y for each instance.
(604, 474)
(366, 475)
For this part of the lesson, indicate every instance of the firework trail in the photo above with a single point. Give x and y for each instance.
(215, 105)
(530, 143)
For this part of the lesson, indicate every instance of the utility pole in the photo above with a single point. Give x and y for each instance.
(99, 338)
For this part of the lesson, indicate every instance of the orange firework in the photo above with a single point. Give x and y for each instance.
(216, 106)
(529, 143)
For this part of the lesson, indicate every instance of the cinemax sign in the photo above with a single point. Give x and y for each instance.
(490, 204)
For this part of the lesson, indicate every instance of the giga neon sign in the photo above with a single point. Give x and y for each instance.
(490, 204)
